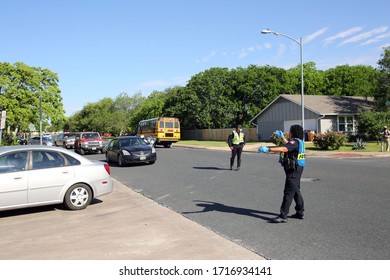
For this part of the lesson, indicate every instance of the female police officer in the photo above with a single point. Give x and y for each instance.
(293, 161)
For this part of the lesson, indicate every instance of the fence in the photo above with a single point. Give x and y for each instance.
(217, 134)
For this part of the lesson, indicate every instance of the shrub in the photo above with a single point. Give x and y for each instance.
(359, 145)
(330, 140)
(278, 141)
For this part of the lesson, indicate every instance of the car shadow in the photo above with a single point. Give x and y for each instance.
(28, 211)
(209, 206)
(40, 209)
(209, 168)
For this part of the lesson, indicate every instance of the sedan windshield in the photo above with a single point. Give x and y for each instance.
(132, 142)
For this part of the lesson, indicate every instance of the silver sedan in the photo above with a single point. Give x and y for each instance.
(42, 175)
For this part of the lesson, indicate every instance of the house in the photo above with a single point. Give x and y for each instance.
(322, 113)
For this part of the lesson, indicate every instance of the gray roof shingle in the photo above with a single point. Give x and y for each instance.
(332, 105)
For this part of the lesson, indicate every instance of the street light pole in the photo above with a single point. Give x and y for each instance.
(300, 43)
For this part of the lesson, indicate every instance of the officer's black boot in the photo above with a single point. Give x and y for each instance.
(238, 164)
(231, 163)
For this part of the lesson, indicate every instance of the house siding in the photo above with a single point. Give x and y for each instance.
(276, 115)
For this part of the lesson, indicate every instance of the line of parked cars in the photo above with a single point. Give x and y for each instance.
(35, 175)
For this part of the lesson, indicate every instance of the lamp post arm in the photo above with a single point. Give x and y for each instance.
(291, 38)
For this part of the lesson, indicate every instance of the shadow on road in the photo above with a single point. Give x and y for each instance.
(210, 168)
(209, 206)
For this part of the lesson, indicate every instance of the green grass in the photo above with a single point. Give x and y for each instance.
(370, 146)
(203, 143)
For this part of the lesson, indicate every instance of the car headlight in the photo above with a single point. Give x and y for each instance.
(125, 153)
(153, 150)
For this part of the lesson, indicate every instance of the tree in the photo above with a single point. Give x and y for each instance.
(348, 80)
(21, 87)
(151, 107)
(254, 88)
(107, 115)
(382, 96)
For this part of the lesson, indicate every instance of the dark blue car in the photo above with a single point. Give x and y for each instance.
(130, 149)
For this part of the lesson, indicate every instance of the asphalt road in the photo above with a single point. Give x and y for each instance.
(347, 201)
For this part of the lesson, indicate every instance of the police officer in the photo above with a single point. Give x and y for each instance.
(292, 159)
(236, 142)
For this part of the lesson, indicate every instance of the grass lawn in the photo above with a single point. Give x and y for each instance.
(370, 146)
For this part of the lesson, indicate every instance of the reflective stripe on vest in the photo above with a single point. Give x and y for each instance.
(301, 154)
(237, 139)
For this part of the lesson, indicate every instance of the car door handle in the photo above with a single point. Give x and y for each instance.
(17, 178)
(65, 172)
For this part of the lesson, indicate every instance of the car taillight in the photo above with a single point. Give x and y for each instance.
(107, 167)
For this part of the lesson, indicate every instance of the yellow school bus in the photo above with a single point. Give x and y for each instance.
(165, 130)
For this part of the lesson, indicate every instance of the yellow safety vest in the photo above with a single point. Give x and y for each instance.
(237, 138)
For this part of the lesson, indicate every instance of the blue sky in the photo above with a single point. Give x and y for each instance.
(103, 48)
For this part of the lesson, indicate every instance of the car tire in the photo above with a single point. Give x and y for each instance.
(82, 152)
(107, 158)
(152, 162)
(78, 197)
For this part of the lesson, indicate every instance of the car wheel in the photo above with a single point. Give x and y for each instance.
(82, 152)
(78, 197)
(107, 158)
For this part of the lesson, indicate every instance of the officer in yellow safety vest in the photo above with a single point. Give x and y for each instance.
(236, 142)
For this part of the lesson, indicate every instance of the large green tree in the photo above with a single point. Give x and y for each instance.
(21, 87)
(345, 80)
(382, 96)
(106, 115)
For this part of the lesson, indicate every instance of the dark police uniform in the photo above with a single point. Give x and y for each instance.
(293, 163)
(236, 141)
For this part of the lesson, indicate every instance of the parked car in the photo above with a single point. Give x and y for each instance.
(47, 141)
(38, 175)
(88, 142)
(130, 149)
(66, 140)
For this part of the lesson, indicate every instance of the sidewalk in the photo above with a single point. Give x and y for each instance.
(122, 225)
(252, 148)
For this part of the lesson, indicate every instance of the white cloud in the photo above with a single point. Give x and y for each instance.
(376, 39)
(364, 35)
(209, 56)
(244, 52)
(311, 37)
(281, 49)
(342, 34)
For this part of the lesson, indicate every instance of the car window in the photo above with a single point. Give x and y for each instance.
(90, 135)
(124, 142)
(137, 142)
(47, 159)
(13, 162)
(71, 160)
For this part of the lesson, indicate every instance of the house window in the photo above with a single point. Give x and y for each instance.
(346, 124)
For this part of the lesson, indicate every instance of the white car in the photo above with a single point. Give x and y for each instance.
(42, 175)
